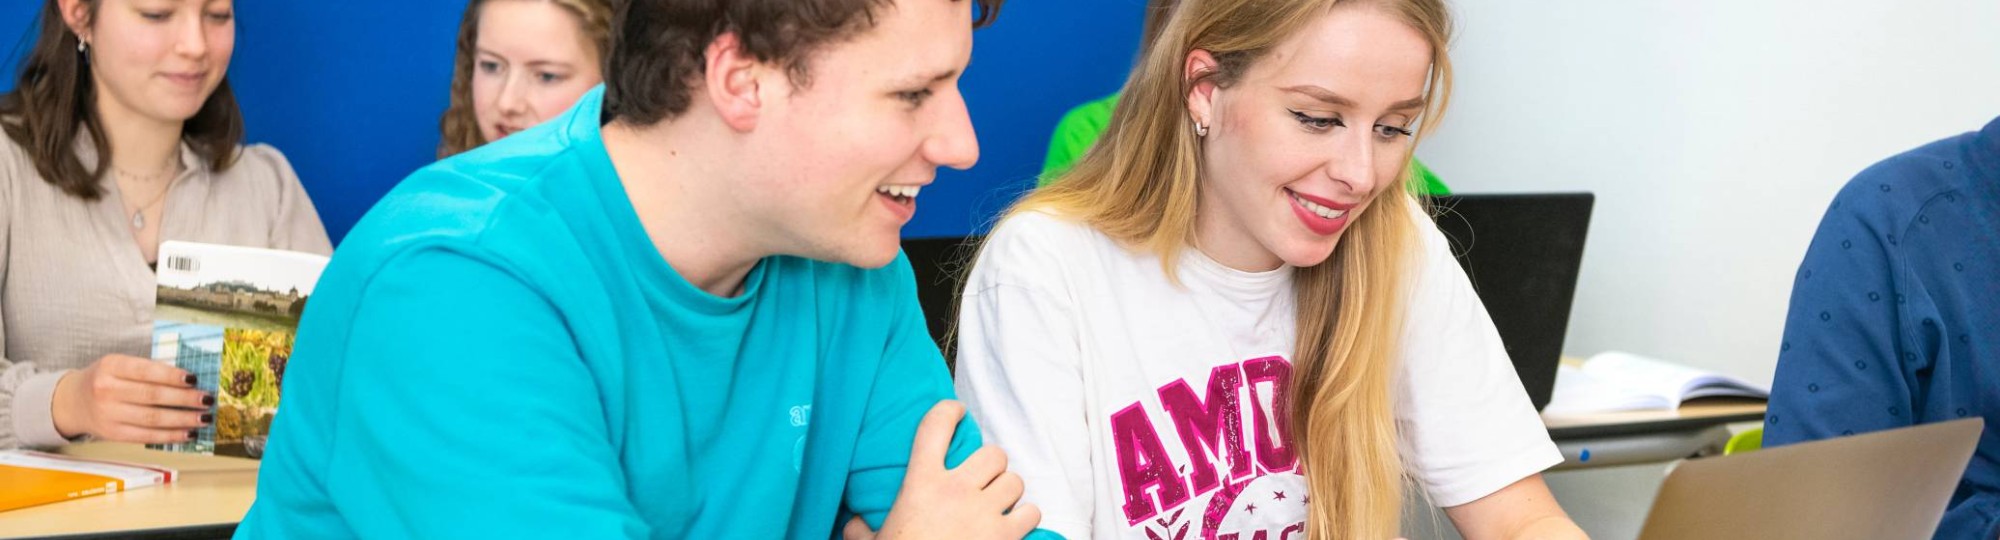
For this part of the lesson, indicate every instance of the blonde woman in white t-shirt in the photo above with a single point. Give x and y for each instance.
(1231, 319)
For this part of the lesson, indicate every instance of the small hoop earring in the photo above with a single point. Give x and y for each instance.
(1200, 130)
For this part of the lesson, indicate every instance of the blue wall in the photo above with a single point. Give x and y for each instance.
(352, 93)
(17, 21)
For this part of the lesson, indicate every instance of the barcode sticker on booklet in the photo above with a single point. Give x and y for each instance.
(227, 314)
(182, 264)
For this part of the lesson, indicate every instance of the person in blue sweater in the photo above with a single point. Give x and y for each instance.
(1895, 314)
(676, 311)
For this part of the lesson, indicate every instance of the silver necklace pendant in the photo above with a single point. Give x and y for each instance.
(139, 220)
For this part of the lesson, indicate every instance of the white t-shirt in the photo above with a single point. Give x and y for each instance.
(1137, 409)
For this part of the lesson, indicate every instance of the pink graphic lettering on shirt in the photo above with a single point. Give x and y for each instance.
(1296, 530)
(1256, 507)
(1167, 524)
(1274, 453)
(1211, 428)
(1210, 425)
(1143, 465)
(1218, 508)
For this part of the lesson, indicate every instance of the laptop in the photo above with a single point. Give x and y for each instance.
(1885, 485)
(1523, 252)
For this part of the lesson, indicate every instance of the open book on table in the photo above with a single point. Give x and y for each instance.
(1619, 381)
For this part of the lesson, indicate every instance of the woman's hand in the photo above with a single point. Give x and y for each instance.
(130, 399)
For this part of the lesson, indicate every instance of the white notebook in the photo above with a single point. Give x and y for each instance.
(1619, 381)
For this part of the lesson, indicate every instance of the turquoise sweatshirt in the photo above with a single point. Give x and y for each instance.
(497, 350)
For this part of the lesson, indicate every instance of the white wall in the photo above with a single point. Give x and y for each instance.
(1714, 133)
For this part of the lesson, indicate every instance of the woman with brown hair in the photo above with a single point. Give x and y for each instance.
(1233, 319)
(521, 62)
(121, 133)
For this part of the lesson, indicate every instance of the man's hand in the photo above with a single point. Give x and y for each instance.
(975, 500)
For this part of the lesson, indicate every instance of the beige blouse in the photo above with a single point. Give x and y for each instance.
(74, 287)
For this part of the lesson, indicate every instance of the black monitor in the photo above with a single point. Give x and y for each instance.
(1523, 252)
(939, 264)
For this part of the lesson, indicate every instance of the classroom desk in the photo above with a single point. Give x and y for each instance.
(213, 493)
(1627, 438)
(207, 501)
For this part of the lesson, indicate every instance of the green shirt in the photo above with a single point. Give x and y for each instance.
(1081, 126)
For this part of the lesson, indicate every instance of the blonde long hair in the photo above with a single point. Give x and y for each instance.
(459, 127)
(1139, 185)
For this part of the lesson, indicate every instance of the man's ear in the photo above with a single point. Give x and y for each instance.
(1199, 69)
(733, 82)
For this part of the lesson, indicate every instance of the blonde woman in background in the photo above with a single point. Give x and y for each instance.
(1231, 318)
(521, 62)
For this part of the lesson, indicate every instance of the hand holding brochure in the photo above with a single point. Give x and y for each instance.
(228, 314)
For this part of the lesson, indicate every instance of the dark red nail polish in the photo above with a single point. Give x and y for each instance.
(207, 419)
(208, 400)
(190, 379)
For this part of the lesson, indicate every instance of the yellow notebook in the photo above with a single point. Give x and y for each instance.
(29, 478)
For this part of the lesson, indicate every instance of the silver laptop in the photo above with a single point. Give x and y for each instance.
(1884, 485)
